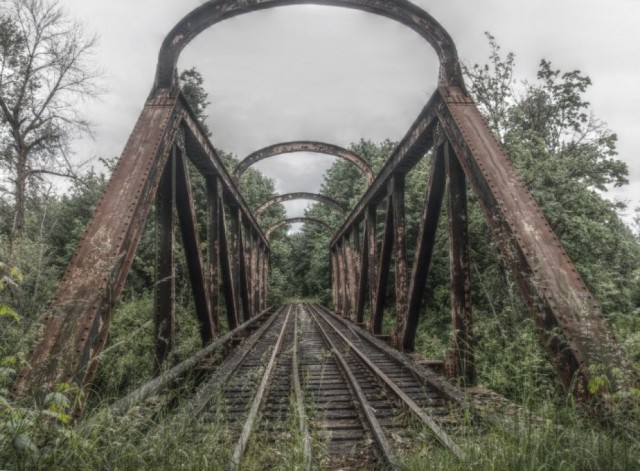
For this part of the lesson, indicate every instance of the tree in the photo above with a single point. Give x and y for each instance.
(567, 157)
(191, 83)
(45, 71)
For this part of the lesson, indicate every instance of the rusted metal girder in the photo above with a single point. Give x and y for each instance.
(304, 220)
(375, 322)
(371, 251)
(193, 254)
(306, 146)
(335, 283)
(580, 343)
(424, 247)
(226, 268)
(214, 205)
(461, 363)
(299, 196)
(409, 151)
(165, 285)
(206, 159)
(361, 292)
(349, 277)
(571, 327)
(396, 192)
(76, 323)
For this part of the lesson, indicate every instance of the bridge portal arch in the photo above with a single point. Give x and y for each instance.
(216, 11)
(306, 146)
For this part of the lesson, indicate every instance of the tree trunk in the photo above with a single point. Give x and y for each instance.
(20, 194)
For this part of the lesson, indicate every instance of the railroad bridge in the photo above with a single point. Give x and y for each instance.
(364, 383)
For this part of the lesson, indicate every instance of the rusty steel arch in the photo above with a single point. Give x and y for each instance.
(304, 220)
(215, 11)
(306, 146)
(299, 196)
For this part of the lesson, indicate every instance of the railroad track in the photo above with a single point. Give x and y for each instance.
(354, 402)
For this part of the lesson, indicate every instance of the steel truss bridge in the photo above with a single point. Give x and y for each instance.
(464, 155)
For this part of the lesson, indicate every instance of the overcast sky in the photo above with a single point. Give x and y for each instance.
(338, 75)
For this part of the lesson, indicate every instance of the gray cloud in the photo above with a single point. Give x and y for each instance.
(310, 72)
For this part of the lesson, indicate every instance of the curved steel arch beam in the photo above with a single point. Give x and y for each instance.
(306, 146)
(286, 222)
(215, 11)
(299, 196)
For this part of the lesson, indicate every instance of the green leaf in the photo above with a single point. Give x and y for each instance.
(16, 274)
(7, 311)
(9, 360)
(64, 387)
(57, 399)
(24, 443)
(597, 383)
(61, 416)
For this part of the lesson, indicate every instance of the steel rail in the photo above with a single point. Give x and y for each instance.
(180, 369)
(299, 397)
(207, 391)
(399, 393)
(258, 400)
(376, 429)
(432, 379)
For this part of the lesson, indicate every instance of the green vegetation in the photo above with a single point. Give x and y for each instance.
(565, 155)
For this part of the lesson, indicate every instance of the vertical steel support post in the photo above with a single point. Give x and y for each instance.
(462, 363)
(226, 267)
(383, 272)
(242, 267)
(371, 248)
(255, 275)
(341, 281)
(424, 246)
(265, 271)
(165, 284)
(248, 259)
(350, 261)
(214, 203)
(195, 265)
(344, 278)
(399, 229)
(236, 254)
(334, 280)
(363, 275)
